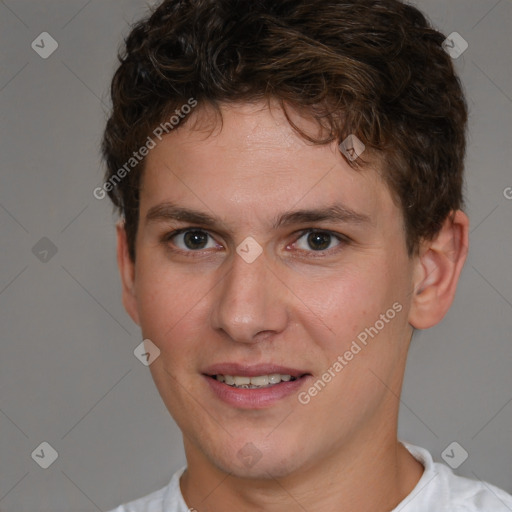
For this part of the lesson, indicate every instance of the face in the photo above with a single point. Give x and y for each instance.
(319, 294)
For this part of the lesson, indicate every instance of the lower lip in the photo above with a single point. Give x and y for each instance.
(255, 398)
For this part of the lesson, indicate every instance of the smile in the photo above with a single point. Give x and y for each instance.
(259, 381)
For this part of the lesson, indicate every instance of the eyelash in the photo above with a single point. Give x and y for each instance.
(342, 239)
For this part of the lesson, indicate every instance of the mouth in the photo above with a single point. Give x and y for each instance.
(254, 387)
(257, 382)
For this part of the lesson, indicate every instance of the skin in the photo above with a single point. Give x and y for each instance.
(292, 306)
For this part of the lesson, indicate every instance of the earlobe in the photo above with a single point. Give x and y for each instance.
(437, 272)
(127, 272)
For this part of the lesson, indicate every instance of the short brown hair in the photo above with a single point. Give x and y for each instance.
(373, 68)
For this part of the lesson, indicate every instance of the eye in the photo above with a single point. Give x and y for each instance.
(191, 239)
(318, 241)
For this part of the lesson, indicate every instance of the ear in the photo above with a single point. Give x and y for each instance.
(127, 271)
(437, 271)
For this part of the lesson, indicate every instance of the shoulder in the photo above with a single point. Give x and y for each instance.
(440, 489)
(168, 499)
(151, 503)
(467, 495)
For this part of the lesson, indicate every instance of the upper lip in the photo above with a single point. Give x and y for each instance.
(246, 370)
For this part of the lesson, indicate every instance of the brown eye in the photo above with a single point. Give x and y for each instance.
(316, 241)
(191, 240)
(319, 241)
(195, 239)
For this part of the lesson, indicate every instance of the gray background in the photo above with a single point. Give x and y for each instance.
(68, 375)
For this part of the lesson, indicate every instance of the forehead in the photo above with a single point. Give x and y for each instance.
(250, 161)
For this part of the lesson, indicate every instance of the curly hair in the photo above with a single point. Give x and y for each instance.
(373, 68)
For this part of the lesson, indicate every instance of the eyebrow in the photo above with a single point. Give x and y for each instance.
(336, 213)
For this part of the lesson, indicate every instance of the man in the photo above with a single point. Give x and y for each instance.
(289, 175)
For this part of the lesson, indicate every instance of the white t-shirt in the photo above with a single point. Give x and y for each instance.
(438, 490)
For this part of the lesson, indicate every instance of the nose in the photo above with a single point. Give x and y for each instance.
(250, 302)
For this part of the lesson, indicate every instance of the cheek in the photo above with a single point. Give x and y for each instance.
(343, 303)
(360, 338)
(350, 305)
(169, 302)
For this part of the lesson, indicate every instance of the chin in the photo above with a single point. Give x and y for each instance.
(263, 460)
(265, 469)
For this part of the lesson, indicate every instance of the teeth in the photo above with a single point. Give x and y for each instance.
(274, 378)
(260, 381)
(242, 381)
